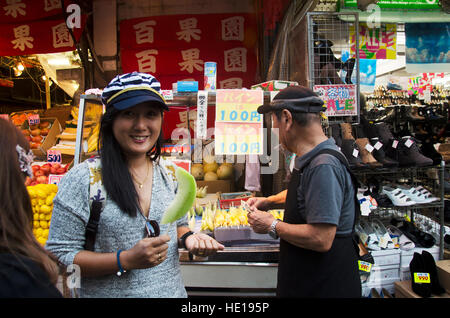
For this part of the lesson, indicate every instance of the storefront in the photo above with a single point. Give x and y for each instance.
(216, 65)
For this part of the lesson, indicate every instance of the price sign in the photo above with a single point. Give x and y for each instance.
(54, 156)
(33, 119)
(364, 266)
(55, 178)
(4, 116)
(202, 114)
(422, 278)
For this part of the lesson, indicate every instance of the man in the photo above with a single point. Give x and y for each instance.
(318, 257)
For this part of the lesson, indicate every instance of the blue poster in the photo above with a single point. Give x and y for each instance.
(427, 47)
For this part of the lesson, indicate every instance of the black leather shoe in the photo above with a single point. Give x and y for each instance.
(348, 147)
(380, 154)
(409, 155)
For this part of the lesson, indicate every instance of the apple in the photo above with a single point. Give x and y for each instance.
(27, 181)
(46, 168)
(44, 131)
(25, 132)
(53, 170)
(28, 138)
(44, 124)
(35, 132)
(56, 165)
(42, 179)
(33, 183)
(60, 171)
(38, 173)
(36, 139)
(34, 126)
(35, 168)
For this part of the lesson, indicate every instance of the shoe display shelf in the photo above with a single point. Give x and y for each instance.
(430, 215)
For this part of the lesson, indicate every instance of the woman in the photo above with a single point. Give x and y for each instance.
(139, 187)
(26, 269)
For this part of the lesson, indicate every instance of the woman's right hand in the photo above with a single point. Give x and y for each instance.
(148, 252)
(260, 203)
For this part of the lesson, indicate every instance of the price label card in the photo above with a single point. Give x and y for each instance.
(55, 178)
(395, 144)
(422, 278)
(378, 145)
(33, 119)
(54, 156)
(409, 143)
(167, 94)
(202, 114)
(369, 148)
(355, 153)
(365, 266)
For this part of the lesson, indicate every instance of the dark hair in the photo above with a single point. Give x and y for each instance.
(116, 177)
(16, 213)
(302, 119)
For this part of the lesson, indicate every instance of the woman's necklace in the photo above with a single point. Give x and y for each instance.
(141, 184)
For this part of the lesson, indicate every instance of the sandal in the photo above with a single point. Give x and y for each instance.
(428, 196)
(385, 238)
(397, 197)
(403, 241)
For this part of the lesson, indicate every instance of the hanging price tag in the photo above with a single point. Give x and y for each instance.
(395, 144)
(378, 145)
(422, 278)
(409, 143)
(365, 266)
(355, 153)
(54, 156)
(202, 114)
(33, 119)
(369, 148)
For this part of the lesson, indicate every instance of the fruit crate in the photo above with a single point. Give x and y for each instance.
(228, 200)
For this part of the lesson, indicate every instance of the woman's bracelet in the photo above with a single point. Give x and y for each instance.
(184, 237)
(121, 270)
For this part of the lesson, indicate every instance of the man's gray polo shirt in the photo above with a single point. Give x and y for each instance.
(326, 193)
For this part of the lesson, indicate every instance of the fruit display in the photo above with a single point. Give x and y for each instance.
(36, 134)
(67, 140)
(201, 192)
(211, 171)
(19, 118)
(41, 173)
(184, 199)
(42, 196)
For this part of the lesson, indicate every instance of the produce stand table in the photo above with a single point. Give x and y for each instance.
(236, 271)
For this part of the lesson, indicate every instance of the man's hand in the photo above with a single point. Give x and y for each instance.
(260, 221)
(259, 203)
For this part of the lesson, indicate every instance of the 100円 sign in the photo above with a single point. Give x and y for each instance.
(238, 127)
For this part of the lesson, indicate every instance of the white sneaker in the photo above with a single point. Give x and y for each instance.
(397, 197)
(427, 194)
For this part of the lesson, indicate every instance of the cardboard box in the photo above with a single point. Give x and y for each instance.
(403, 289)
(443, 269)
(275, 85)
(217, 186)
(50, 139)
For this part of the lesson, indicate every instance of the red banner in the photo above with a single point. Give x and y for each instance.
(176, 47)
(48, 36)
(18, 11)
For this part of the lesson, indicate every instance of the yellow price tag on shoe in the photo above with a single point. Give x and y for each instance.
(364, 266)
(421, 278)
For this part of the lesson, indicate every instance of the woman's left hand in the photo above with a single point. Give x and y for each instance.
(202, 245)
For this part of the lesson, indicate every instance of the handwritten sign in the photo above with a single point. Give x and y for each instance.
(375, 43)
(54, 156)
(55, 178)
(238, 128)
(202, 114)
(33, 119)
(339, 99)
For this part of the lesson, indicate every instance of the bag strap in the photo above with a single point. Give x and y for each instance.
(355, 181)
(97, 199)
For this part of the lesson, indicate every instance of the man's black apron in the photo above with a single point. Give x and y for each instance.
(307, 273)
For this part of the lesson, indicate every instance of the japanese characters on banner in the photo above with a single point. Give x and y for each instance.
(341, 100)
(23, 32)
(417, 85)
(375, 43)
(176, 47)
(238, 127)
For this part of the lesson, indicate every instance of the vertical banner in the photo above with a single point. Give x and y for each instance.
(202, 114)
(375, 43)
(238, 128)
(427, 47)
(339, 99)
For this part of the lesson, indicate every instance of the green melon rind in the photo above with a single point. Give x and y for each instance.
(184, 199)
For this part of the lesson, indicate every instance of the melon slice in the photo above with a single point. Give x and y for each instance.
(184, 199)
